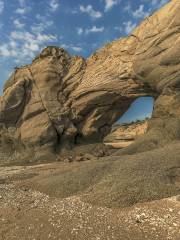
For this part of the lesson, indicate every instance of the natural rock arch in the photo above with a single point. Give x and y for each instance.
(140, 110)
(59, 98)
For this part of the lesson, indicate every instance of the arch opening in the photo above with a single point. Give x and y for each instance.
(132, 124)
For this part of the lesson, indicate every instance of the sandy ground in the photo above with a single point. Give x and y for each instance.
(119, 144)
(27, 214)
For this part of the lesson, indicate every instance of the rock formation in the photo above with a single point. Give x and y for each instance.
(122, 135)
(61, 100)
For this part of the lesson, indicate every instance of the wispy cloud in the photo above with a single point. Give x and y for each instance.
(129, 26)
(23, 45)
(80, 30)
(22, 11)
(94, 29)
(140, 12)
(90, 11)
(29, 37)
(1, 6)
(118, 28)
(77, 49)
(41, 27)
(54, 5)
(5, 51)
(110, 3)
(18, 24)
(72, 47)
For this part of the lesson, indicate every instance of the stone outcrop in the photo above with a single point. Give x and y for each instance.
(123, 135)
(61, 100)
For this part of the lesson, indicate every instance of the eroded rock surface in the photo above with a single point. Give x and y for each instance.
(122, 135)
(61, 100)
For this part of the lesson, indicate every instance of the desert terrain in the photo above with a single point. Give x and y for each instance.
(29, 211)
(65, 172)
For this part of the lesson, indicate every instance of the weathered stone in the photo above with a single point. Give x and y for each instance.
(123, 135)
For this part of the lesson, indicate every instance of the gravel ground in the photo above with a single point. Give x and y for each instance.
(26, 214)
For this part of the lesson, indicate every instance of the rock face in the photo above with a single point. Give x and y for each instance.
(125, 134)
(61, 100)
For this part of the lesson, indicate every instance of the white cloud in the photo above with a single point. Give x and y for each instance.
(32, 46)
(41, 38)
(72, 47)
(13, 44)
(140, 12)
(120, 29)
(1, 6)
(54, 5)
(18, 24)
(94, 29)
(22, 11)
(42, 24)
(38, 28)
(23, 45)
(29, 37)
(80, 31)
(129, 26)
(41, 27)
(4, 51)
(110, 3)
(77, 49)
(8, 50)
(90, 11)
(40, 17)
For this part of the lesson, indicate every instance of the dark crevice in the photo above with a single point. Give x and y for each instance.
(58, 141)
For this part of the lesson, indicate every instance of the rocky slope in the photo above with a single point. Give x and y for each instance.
(27, 213)
(122, 135)
(61, 100)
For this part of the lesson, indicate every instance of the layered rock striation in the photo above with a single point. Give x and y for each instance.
(59, 100)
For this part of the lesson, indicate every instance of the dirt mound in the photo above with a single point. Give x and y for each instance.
(29, 214)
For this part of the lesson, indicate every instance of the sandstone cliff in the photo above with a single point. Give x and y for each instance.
(59, 100)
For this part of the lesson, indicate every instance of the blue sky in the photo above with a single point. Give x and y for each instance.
(80, 26)
(140, 109)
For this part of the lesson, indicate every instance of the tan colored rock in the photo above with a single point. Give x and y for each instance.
(60, 100)
(125, 134)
